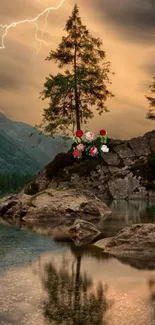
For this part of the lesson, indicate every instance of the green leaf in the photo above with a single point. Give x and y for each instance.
(73, 93)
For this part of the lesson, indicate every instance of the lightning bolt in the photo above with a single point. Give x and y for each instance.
(46, 12)
(38, 40)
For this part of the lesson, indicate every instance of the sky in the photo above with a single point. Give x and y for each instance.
(127, 29)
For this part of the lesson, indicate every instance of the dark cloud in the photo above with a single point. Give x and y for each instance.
(134, 18)
(149, 68)
(18, 10)
(128, 21)
(16, 67)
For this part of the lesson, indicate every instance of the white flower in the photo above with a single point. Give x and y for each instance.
(89, 136)
(104, 148)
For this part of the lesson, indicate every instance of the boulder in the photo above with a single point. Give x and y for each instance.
(122, 188)
(112, 159)
(83, 232)
(127, 171)
(53, 207)
(133, 243)
(140, 146)
(123, 151)
(7, 203)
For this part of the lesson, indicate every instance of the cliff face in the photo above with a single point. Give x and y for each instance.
(126, 172)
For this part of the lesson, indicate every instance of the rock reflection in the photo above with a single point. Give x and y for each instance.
(72, 299)
(125, 213)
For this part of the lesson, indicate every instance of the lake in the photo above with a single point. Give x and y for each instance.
(45, 282)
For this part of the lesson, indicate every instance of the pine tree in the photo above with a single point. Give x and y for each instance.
(82, 85)
(151, 112)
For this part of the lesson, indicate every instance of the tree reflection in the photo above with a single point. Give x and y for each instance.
(151, 284)
(71, 299)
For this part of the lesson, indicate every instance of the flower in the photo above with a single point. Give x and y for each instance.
(89, 136)
(93, 151)
(80, 147)
(104, 148)
(79, 133)
(103, 132)
(88, 146)
(77, 153)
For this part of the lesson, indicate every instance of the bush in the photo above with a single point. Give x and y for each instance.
(61, 161)
(31, 189)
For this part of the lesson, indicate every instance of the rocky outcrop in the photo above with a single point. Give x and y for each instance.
(126, 172)
(52, 207)
(134, 245)
(83, 232)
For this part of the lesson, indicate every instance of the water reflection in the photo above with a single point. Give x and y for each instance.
(67, 285)
(126, 213)
(72, 299)
(151, 285)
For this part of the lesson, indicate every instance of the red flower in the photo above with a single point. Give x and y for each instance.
(76, 153)
(103, 132)
(79, 133)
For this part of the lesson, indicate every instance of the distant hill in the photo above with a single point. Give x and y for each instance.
(24, 150)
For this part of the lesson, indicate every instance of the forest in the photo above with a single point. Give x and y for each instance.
(13, 183)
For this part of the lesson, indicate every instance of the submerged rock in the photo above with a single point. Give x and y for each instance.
(83, 232)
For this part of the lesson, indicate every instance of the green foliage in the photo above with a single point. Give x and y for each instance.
(85, 166)
(31, 189)
(13, 183)
(150, 186)
(151, 112)
(61, 161)
(82, 85)
(146, 170)
(97, 143)
(82, 167)
(152, 160)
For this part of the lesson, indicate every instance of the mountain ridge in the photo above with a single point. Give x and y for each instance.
(23, 149)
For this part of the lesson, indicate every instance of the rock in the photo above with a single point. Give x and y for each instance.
(113, 170)
(7, 203)
(127, 171)
(140, 146)
(42, 180)
(53, 206)
(122, 188)
(111, 158)
(150, 136)
(83, 232)
(134, 242)
(129, 161)
(124, 151)
(123, 171)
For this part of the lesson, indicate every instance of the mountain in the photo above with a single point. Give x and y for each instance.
(24, 149)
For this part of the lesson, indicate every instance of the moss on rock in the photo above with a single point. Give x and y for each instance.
(31, 189)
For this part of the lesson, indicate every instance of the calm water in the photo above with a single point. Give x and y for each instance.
(43, 282)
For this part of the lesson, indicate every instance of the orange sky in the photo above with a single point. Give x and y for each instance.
(127, 29)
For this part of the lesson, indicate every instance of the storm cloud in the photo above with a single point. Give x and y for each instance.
(134, 19)
(127, 28)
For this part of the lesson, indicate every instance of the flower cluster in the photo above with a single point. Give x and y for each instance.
(89, 146)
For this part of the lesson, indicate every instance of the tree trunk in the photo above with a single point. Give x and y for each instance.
(76, 90)
(77, 291)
